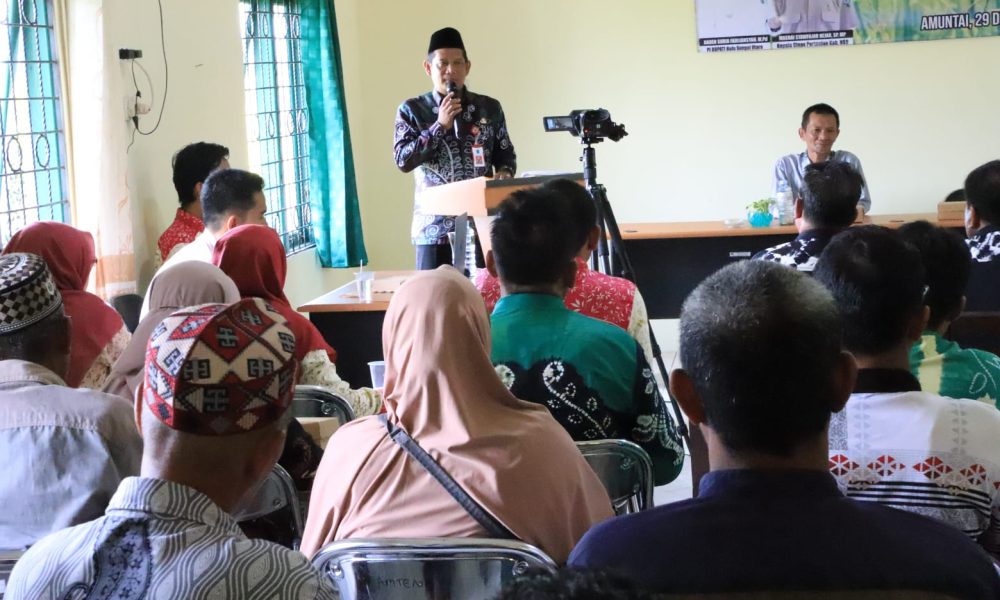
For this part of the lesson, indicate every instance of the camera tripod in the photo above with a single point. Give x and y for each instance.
(612, 258)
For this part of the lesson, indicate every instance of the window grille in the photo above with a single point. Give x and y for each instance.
(277, 117)
(33, 172)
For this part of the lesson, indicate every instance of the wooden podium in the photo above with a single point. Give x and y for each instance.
(479, 198)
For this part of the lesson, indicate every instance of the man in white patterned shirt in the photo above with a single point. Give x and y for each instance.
(213, 413)
(893, 443)
(827, 206)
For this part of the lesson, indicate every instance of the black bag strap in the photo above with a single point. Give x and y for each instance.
(495, 528)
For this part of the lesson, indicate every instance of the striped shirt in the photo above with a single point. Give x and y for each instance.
(160, 539)
(923, 453)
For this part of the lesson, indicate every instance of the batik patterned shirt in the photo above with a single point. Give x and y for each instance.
(945, 368)
(591, 375)
(802, 253)
(183, 230)
(920, 452)
(161, 540)
(436, 156)
(985, 245)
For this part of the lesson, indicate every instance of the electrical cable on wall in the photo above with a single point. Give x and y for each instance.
(138, 94)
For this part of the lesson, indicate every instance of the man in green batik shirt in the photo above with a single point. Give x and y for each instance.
(941, 365)
(591, 375)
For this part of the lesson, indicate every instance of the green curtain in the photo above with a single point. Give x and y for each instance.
(332, 187)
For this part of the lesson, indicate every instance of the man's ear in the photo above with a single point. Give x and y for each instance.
(800, 208)
(491, 264)
(197, 191)
(592, 238)
(427, 68)
(802, 134)
(137, 406)
(682, 389)
(230, 222)
(845, 375)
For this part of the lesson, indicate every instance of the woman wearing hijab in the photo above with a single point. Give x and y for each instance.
(510, 456)
(98, 333)
(253, 256)
(186, 284)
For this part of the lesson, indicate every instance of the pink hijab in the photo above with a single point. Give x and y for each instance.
(511, 456)
(70, 255)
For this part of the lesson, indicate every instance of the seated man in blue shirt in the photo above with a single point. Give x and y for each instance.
(592, 375)
(827, 206)
(820, 129)
(769, 517)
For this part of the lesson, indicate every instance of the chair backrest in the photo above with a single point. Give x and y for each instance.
(8, 558)
(426, 568)
(129, 306)
(626, 471)
(273, 512)
(980, 330)
(317, 401)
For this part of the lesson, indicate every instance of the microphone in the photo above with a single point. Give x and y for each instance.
(453, 89)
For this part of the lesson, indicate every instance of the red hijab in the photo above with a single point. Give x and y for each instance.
(70, 255)
(253, 257)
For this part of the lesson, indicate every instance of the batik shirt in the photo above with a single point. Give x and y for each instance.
(985, 245)
(182, 231)
(802, 253)
(437, 157)
(161, 540)
(920, 452)
(945, 368)
(613, 300)
(591, 375)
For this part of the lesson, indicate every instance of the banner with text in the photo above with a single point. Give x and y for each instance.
(736, 25)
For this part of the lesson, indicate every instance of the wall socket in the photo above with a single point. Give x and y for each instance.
(129, 53)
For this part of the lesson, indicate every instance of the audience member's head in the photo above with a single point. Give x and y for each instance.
(584, 212)
(192, 165)
(956, 196)
(764, 367)
(231, 197)
(877, 280)
(69, 252)
(535, 240)
(830, 195)
(820, 109)
(33, 327)
(254, 258)
(570, 584)
(218, 384)
(982, 197)
(947, 266)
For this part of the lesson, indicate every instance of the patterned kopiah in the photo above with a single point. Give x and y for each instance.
(220, 370)
(27, 292)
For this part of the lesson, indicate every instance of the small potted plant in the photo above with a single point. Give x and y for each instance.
(759, 212)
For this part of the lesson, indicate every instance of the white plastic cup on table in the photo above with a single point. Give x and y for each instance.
(377, 368)
(363, 281)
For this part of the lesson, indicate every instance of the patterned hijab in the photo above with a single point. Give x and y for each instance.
(71, 255)
(188, 283)
(510, 455)
(253, 256)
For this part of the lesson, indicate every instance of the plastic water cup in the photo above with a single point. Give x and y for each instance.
(377, 368)
(363, 283)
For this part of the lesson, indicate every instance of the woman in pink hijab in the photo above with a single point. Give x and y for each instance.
(509, 455)
(98, 333)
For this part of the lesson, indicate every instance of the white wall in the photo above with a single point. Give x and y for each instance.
(704, 129)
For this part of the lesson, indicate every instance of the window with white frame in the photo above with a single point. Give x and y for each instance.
(277, 117)
(33, 171)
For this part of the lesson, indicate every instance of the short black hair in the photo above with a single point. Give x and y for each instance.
(228, 191)
(956, 196)
(878, 282)
(534, 236)
(571, 584)
(831, 193)
(761, 343)
(947, 266)
(192, 164)
(982, 191)
(584, 211)
(820, 109)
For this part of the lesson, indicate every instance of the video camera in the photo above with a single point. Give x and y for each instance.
(591, 125)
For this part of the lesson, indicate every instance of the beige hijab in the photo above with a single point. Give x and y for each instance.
(511, 456)
(185, 284)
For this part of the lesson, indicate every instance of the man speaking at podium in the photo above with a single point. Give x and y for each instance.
(449, 134)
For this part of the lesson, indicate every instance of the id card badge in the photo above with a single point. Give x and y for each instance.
(478, 156)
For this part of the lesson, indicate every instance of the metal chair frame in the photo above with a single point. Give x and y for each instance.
(8, 558)
(329, 403)
(264, 502)
(625, 456)
(353, 565)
